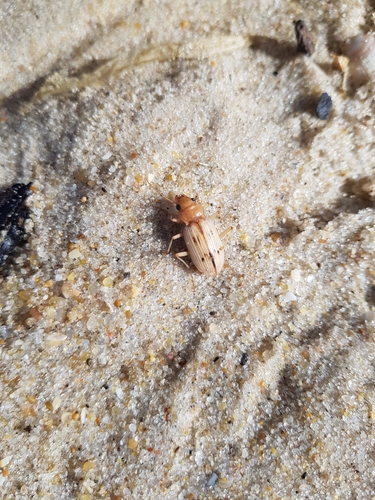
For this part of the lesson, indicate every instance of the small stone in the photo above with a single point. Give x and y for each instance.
(132, 427)
(305, 41)
(74, 254)
(290, 297)
(5, 461)
(24, 295)
(72, 315)
(108, 282)
(370, 316)
(88, 465)
(83, 415)
(324, 106)
(92, 322)
(67, 290)
(55, 339)
(129, 180)
(56, 403)
(221, 406)
(211, 482)
(295, 275)
(214, 328)
(119, 393)
(224, 482)
(244, 359)
(66, 417)
(199, 457)
(132, 444)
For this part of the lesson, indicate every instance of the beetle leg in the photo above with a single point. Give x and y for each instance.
(182, 254)
(224, 233)
(175, 237)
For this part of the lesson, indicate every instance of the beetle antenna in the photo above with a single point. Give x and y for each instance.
(157, 192)
(191, 179)
(168, 199)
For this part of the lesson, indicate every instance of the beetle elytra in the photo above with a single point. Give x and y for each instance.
(202, 240)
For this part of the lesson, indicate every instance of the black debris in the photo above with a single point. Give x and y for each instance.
(305, 43)
(13, 214)
(324, 106)
(244, 359)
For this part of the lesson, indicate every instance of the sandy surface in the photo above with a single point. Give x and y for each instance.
(126, 375)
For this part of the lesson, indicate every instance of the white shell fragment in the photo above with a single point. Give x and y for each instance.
(5, 461)
(199, 457)
(75, 254)
(289, 297)
(361, 54)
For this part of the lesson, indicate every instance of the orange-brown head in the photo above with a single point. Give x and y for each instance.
(189, 210)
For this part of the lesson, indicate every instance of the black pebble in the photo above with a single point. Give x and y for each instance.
(244, 359)
(324, 106)
(305, 42)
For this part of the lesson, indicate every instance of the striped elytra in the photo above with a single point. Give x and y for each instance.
(202, 239)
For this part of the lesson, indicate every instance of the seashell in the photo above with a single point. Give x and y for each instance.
(361, 54)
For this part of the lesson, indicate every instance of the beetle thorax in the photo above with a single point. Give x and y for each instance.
(188, 209)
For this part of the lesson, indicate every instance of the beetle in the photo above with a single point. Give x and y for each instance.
(202, 239)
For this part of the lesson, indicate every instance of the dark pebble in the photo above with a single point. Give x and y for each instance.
(324, 106)
(244, 359)
(305, 42)
(13, 214)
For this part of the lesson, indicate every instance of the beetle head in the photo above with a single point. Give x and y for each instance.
(188, 209)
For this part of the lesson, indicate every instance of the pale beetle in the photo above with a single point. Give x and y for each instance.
(202, 239)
